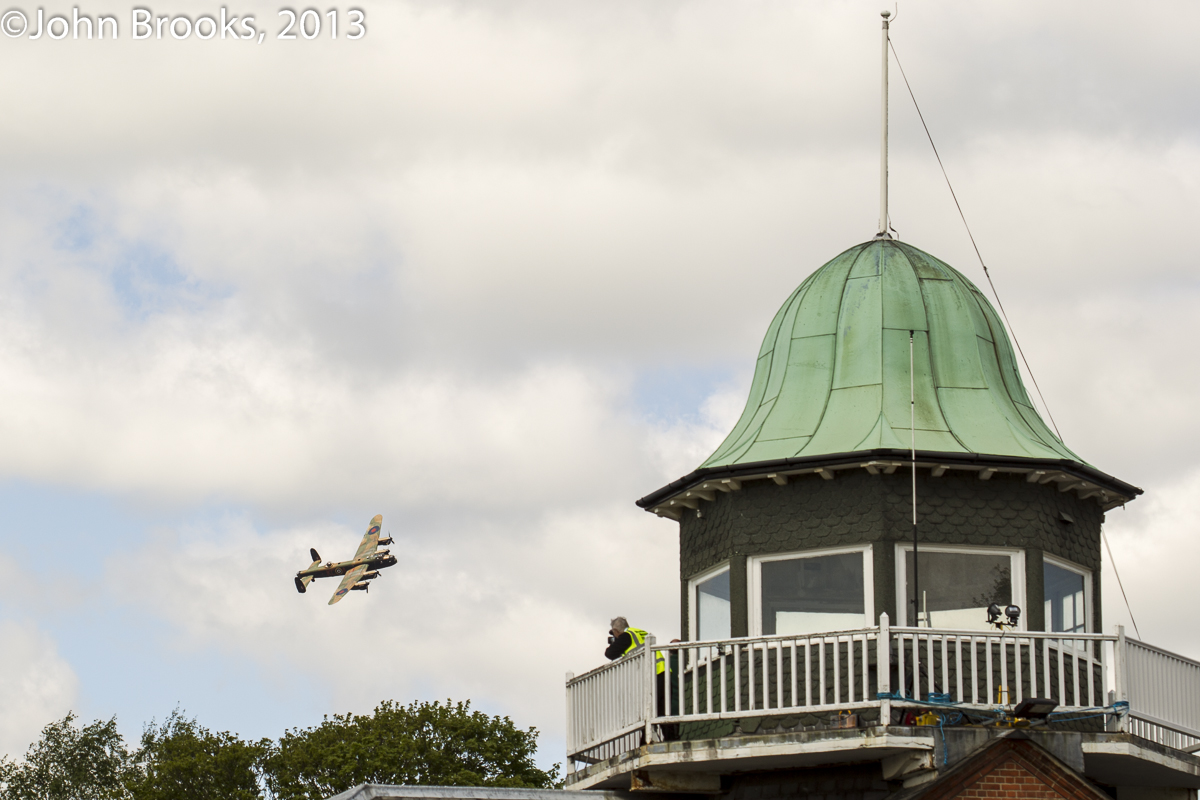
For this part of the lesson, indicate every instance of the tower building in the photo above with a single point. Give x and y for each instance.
(801, 521)
(890, 578)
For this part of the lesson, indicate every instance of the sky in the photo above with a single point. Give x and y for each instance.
(495, 270)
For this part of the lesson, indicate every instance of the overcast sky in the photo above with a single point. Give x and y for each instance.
(497, 269)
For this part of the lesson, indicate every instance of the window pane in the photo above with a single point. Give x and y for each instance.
(808, 595)
(1065, 611)
(957, 588)
(712, 607)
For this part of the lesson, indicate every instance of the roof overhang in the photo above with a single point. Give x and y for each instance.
(703, 484)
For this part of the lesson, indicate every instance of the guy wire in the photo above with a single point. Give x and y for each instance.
(1128, 608)
(1005, 314)
(971, 236)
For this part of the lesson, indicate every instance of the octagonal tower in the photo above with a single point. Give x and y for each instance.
(801, 521)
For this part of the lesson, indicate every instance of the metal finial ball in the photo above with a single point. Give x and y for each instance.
(885, 14)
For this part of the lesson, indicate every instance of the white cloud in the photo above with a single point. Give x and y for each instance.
(1157, 547)
(37, 685)
(419, 274)
(496, 614)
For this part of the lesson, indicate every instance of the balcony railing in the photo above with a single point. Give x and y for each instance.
(618, 707)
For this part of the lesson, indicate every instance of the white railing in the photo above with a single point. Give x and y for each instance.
(1163, 690)
(769, 674)
(615, 708)
(984, 669)
(608, 708)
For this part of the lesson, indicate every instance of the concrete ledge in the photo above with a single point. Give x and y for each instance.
(1125, 760)
(746, 753)
(377, 791)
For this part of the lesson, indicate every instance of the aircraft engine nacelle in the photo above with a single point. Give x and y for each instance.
(370, 576)
(360, 587)
(388, 540)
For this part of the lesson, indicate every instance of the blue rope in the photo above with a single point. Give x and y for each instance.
(935, 699)
(942, 730)
(942, 720)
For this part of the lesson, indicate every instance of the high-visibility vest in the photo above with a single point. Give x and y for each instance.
(637, 638)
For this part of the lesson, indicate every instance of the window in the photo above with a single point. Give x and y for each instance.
(710, 605)
(1068, 592)
(798, 593)
(958, 584)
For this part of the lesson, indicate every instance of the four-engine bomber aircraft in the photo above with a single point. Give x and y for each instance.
(365, 559)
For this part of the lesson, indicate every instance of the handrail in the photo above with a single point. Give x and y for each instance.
(619, 706)
(764, 638)
(597, 670)
(1094, 637)
(1162, 652)
(606, 704)
(1163, 690)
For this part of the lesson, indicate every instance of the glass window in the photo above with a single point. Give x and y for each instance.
(712, 607)
(957, 587)
(1066, 604)
(812, 594)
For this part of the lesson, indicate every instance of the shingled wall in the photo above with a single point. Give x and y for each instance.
(859, 508)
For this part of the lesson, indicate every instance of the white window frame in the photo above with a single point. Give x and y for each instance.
(1087, 590)
(1016, 574)
(695, 582)
(754, 580)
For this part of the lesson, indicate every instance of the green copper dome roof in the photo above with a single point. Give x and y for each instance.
(833, 372)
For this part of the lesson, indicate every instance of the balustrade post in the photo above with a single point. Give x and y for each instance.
(649, 708)
(883, 668)
(1120, 674)
(571, 737)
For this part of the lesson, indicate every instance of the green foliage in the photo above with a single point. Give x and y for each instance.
(70, 763)
(427, 744)
(182, 760)
(422, 743)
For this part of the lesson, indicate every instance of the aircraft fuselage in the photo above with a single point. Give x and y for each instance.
(375, 561)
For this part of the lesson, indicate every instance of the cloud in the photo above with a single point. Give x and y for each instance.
(36, 685)
(495, 615)
(248, 290)
(1156, 547)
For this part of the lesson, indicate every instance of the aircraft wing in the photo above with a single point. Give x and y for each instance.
(370, 540)
(348, 580)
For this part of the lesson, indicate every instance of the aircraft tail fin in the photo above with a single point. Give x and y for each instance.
(316, 557)
(302, 582)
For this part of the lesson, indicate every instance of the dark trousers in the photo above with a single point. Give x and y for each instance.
(670, 732)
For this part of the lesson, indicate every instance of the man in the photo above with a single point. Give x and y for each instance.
(624, 640)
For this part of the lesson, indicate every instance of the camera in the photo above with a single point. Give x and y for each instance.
(611, 638)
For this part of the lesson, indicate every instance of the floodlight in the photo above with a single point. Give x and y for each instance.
(993, 614)
(1034, 708)
(1013, 613)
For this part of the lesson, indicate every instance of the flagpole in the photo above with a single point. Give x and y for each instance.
(883, 140)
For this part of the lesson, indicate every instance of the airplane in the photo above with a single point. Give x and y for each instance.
(365, 559)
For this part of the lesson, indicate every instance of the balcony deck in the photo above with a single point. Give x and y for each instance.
(784, 701)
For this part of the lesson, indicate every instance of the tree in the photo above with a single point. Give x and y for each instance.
(182, 760)
(420, 744)
(70, 763)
